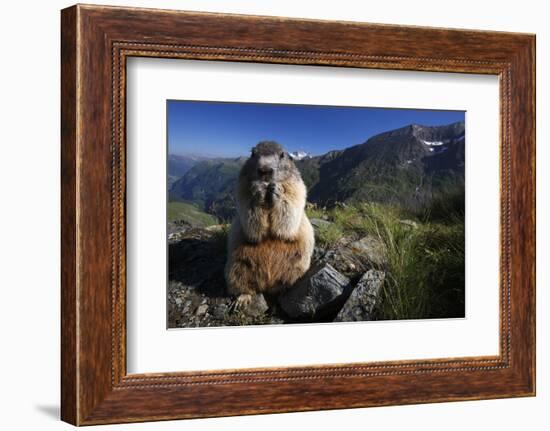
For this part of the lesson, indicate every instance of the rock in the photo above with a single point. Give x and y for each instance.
(353, 258)
(409, 223)
(219, 311)
(257, 306)
(369, 248)
(197, 259)
(317, 222)
(217, 228)
(197, 295)
(201, 309)
(320, 292)
(275, 320)
(361, 304)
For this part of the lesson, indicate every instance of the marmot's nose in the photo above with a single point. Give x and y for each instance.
(265, 171)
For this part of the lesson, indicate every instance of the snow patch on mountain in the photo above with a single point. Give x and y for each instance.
(299, 155)
(433, 143)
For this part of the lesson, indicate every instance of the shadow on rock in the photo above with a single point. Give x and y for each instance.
(197, 258)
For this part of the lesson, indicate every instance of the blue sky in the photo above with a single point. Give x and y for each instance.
(232, 129)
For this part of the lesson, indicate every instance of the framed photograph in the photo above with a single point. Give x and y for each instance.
(264, 215)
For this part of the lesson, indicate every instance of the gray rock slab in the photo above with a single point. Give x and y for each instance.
(361, 304)
(355, 257)
(321, 291)
(317, 222)
(257, 306)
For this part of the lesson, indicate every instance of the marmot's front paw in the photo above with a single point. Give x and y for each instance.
(259, 191)
(274, 191)
(241, 302)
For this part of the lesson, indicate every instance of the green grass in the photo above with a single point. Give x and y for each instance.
(183, 212)
(328, 236)
(313, 211)
(425, 277)
(424, 264)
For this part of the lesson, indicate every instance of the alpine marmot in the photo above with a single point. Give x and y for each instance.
(271, 239)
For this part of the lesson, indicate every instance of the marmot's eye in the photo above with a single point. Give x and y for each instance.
(282, 156)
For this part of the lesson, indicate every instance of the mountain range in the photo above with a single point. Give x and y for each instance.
(179, 164)
(406, 166)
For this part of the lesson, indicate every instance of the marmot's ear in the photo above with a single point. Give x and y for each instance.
(253, 151)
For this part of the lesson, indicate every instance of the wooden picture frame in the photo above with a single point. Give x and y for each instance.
(95, 43)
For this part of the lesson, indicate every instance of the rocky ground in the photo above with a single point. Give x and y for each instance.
(343, 283)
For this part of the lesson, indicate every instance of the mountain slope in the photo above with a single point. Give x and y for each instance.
(406, 167)
(310, 167)
(210, 184)
(402, 166)
(179, 164)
